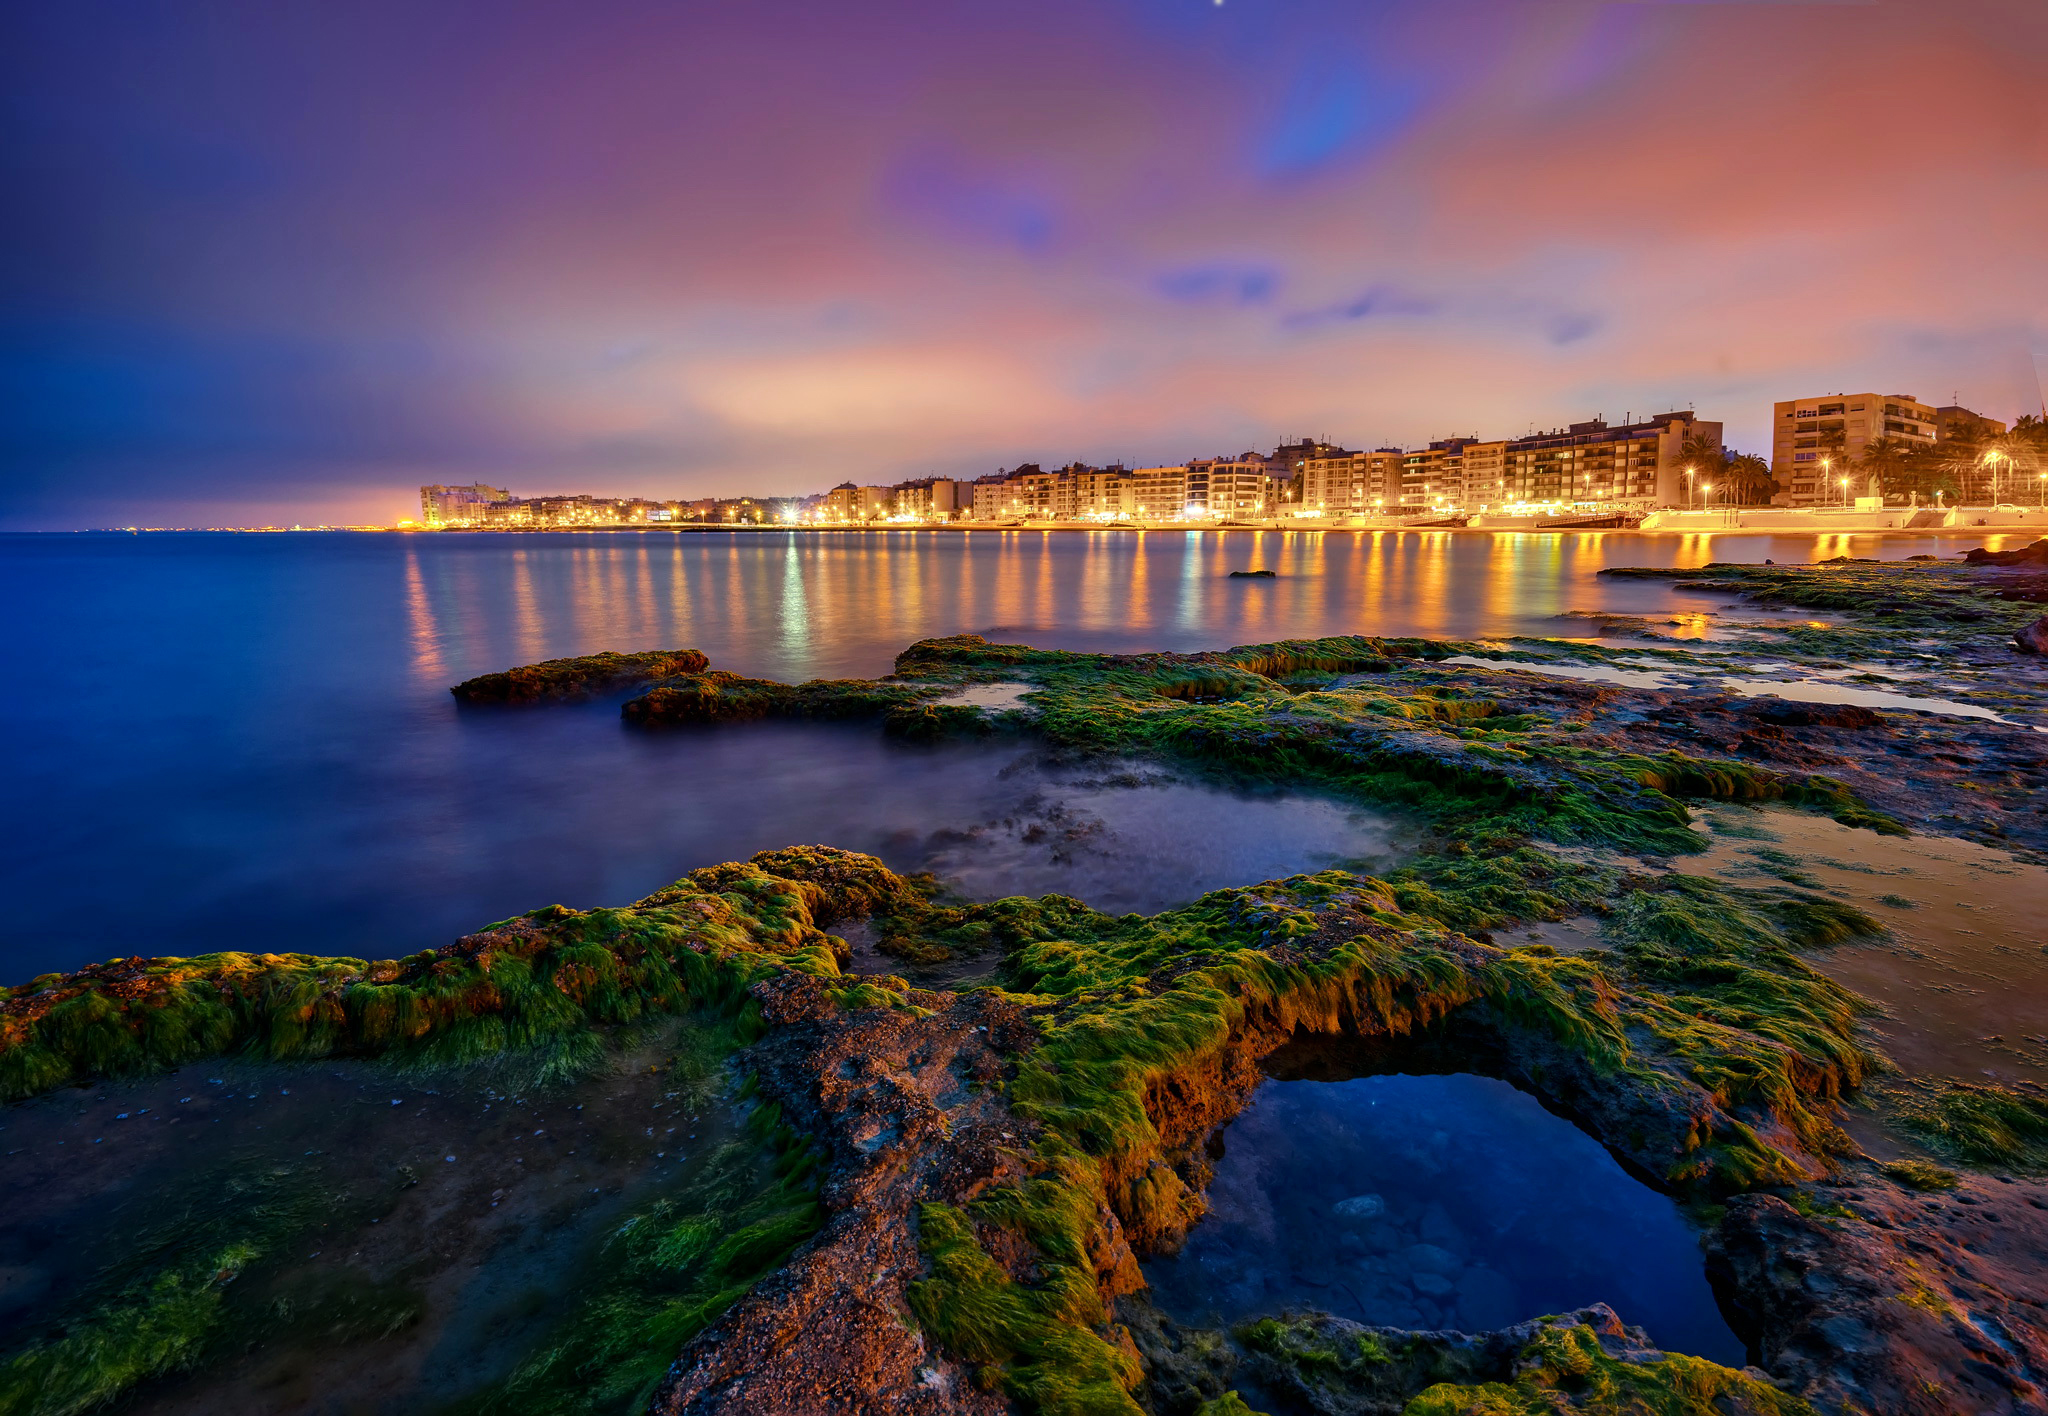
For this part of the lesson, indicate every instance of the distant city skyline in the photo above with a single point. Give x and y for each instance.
(271, 265)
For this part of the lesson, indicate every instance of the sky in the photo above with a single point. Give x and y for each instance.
(276, 261)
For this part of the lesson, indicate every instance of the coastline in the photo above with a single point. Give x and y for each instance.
(1783, 521)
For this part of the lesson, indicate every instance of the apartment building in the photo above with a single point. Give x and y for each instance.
(1638, 464)
(1433, 477)
(841, 504)
(1955, 423)
(990, 499)
(458, 506)
(1814, 440)
(929, 498)
(1160, 493)
(1228, 488)
(1484, 475)
(1352, 483)
(1084, 493)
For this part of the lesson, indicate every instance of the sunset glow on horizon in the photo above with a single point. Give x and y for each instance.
(272, 264)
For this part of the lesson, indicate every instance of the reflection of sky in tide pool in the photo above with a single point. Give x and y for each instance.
(1433, 1202)
(1127, 839)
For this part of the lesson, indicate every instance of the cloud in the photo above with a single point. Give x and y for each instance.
(1225, 283)
(1332, 111)
(1380, 301)
(304, 254)
(945, 194)
(1570, 328)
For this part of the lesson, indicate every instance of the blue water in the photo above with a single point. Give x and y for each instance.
(246, 741)
(1433, 1202)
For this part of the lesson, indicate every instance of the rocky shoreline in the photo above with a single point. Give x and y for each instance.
(990, 1163)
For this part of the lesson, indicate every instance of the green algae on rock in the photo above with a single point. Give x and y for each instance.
(1927, 592)
(537, 983)
(585, 676)
(988, 1163)
(1570, 1368)
(672, 1269)
(1379, 720)
(1009, 1186)
(1978, 1124)
(1586, 1362)
(265, 1331)
(715, 696)
(145, 1332)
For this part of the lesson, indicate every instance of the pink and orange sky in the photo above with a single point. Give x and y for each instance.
(284, 263)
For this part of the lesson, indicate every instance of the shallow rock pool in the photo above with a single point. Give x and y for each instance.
(1433, 1202)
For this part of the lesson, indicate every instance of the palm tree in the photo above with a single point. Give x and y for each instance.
(2003, 463)
(2031, 430)
(1748, 479)
(1888, 462)
(1705, 459)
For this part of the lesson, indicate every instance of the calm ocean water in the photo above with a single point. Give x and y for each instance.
(247, 742)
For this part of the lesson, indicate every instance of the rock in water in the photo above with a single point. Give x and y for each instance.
(2034, 638)
(1251, 575)
(2036, 554)
(1360, 1207)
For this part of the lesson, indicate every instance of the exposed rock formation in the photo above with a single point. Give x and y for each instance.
(587, 676)
(1588, 1361)
(2036, 554)
(1914, 1305)
(911, 1110)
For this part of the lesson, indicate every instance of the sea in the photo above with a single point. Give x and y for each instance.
(219, 741)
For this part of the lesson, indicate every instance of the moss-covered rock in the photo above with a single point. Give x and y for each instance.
(539, 982)
(1587, 1362)
(585, 676)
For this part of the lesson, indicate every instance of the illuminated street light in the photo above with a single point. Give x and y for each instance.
(1991, 460)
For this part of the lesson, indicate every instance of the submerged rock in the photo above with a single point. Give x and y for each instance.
(1432, 1259)
(1360, 1207)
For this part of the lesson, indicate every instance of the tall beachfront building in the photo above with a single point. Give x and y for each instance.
(1433, 477)
(1352, 484)
(458, 506)
(1640, 464)
(1814, 440)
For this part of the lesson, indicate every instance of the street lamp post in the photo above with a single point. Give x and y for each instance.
(1991, 460)
(1843, 482)
(1688, 488)
(1827, 470)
